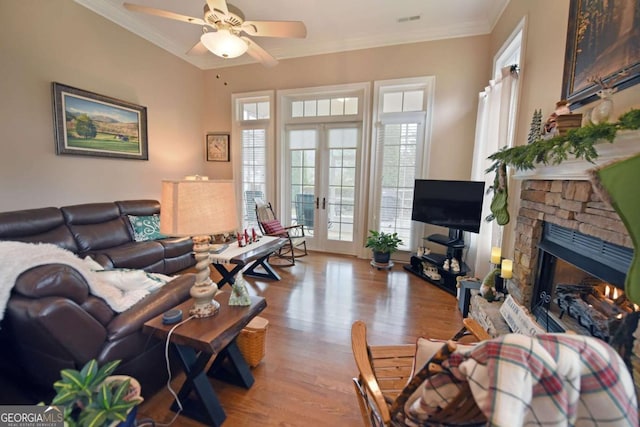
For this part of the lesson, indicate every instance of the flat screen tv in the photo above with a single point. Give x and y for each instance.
(456, 205)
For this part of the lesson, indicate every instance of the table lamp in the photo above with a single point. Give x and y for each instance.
(199, 208)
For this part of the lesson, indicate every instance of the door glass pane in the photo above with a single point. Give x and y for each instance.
(342, 179)
(303, 170)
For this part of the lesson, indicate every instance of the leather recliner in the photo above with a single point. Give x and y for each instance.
(52, 322)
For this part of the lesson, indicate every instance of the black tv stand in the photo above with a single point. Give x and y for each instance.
(446, 241)
(455, 245)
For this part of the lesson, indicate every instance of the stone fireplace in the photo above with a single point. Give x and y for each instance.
(562, 198)
(562, 195)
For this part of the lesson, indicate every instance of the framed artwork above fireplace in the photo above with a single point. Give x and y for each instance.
(603, 40)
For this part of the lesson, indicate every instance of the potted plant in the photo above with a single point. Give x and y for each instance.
(94, 397)
(383, 245)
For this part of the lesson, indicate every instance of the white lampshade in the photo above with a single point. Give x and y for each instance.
(197, 207)
(224, 44)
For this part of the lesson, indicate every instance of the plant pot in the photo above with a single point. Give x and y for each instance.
(134, 392)
(381, 257)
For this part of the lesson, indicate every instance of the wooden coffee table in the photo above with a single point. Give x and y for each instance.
(199, 340)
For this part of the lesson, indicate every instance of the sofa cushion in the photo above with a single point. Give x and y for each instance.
(44, 225)
(138, 207)
(136, 255)
(145, 227)
(96, 226)
(176, 246)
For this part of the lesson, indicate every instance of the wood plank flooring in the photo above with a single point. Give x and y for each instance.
(305, 377)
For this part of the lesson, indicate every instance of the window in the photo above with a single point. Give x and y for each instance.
(401, 125)
(254, 126)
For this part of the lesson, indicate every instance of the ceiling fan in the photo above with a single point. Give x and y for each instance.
(224, 29)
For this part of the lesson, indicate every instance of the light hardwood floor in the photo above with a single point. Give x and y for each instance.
(305, 377)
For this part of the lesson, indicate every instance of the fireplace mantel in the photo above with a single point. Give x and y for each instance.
(626, 144)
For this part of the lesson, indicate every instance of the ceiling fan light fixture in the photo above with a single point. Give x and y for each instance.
(223, 43)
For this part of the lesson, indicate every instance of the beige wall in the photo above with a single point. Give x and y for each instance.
(542, 69)
(461, 67)
(46, 41)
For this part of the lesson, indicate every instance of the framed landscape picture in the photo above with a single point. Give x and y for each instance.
(217, 147)
(603, 41)
(88, 124)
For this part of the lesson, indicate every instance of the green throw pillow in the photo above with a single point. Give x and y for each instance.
(146, 227)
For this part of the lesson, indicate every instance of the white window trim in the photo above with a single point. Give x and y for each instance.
(426, 83)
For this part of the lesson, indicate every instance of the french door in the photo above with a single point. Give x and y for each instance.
(322, 169)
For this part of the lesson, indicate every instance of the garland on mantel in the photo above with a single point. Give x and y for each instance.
(578, 143)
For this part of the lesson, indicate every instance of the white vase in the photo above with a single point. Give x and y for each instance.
(602, 111)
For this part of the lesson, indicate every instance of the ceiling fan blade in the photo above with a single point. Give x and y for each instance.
(295, 29)
(198, 49)
(219, 5)
(163, 14)
(258, 53)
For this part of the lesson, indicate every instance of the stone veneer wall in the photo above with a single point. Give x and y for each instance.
(570, 204)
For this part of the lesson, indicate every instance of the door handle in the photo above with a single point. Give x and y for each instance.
(324, 203)
(317, 202)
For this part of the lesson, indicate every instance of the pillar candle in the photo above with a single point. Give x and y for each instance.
(507, 269)
(495, 255)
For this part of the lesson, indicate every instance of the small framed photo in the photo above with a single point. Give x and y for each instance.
(218, 147)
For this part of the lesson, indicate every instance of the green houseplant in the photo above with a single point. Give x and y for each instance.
(93, 397)
(383, 245)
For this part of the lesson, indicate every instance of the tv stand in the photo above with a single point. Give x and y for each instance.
(455, 245)
(446, 241)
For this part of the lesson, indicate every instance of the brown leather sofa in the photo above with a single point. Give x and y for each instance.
(52, 322)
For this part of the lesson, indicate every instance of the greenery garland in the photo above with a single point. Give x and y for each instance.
(579, 143)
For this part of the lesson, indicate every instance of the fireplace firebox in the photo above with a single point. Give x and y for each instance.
(579, 283)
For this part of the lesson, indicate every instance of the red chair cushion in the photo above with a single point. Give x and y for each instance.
(273, 226)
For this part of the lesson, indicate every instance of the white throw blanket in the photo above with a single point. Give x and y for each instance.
(18, 257)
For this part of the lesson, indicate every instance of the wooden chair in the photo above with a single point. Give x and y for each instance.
(270, 225)
(384, 371)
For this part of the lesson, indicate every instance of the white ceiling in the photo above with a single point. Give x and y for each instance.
(332, 25)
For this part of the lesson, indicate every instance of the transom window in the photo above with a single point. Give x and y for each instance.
(325, 107)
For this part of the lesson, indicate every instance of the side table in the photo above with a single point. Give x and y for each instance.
(199, 340)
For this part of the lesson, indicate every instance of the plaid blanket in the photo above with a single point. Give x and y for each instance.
(548, 380)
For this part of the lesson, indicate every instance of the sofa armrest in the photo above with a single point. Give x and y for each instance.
(50, 280)
(170, 295)
(45, 324)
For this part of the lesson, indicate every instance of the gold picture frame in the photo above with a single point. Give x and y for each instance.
(217, 146)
